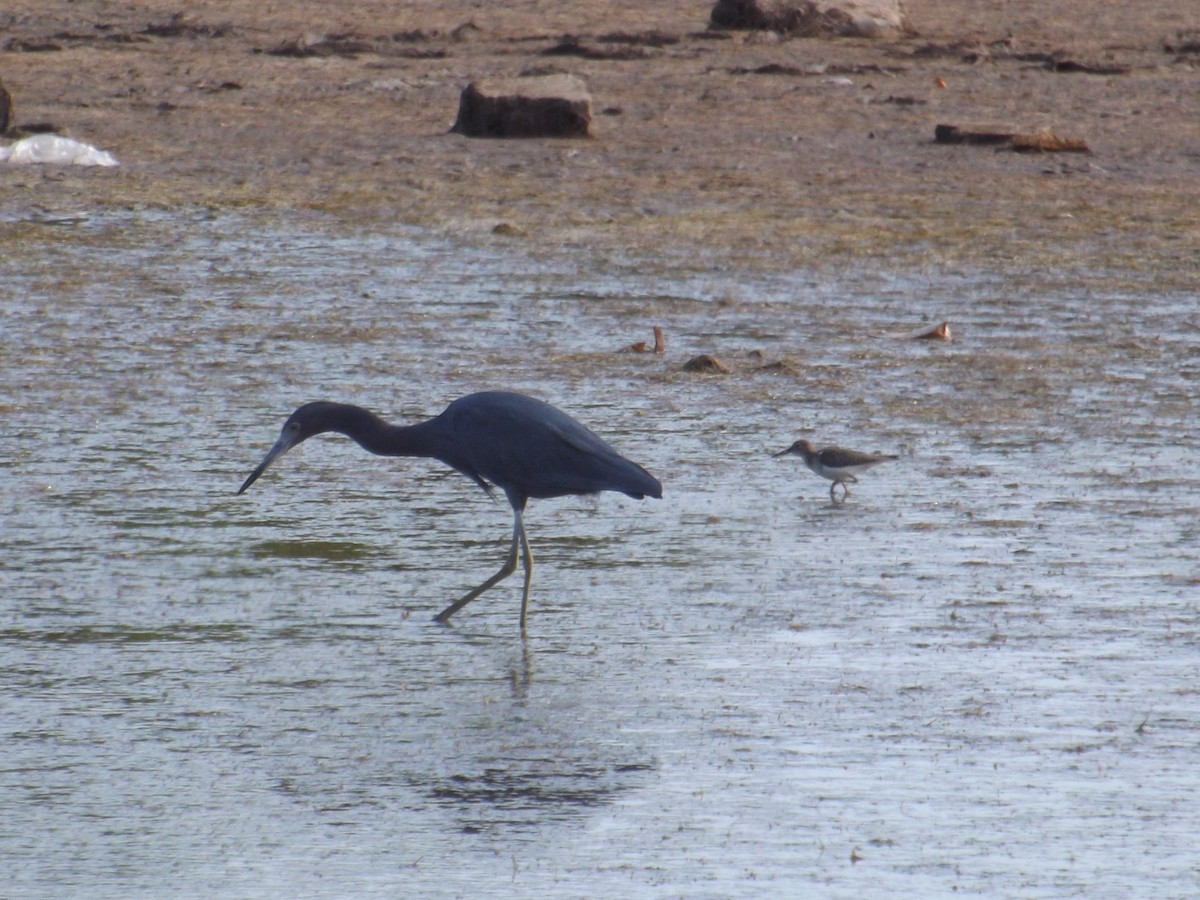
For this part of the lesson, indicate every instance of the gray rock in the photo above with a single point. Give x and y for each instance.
(814, 18)
(707, 364)
(542, 106)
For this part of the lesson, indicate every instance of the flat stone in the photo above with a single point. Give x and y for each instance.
(542, 106)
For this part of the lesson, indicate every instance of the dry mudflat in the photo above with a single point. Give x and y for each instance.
(811, 150)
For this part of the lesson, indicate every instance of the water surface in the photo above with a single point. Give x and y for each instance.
(978, 675)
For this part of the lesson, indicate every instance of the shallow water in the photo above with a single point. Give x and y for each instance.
(977, 675)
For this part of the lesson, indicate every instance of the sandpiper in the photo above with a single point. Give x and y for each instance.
(838, 465)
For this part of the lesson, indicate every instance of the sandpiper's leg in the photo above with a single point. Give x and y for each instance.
(510, 566)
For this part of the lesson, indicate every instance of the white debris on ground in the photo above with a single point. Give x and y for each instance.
(54, 150)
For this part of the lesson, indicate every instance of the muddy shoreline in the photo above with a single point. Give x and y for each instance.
(812, 149)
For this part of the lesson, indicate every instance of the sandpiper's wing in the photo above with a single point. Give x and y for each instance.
(852, 460)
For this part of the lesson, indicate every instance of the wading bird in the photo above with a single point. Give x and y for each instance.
(525, 447)
(836, 464)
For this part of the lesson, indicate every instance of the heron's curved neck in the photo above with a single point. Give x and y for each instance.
(376, 436)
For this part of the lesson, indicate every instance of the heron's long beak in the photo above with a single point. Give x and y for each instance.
(282, 446)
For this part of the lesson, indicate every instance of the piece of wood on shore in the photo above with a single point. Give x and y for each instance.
(973, 134)
(1048, 142)
(940, 332)
(1001, 136)
(660, 344)
(557, 106)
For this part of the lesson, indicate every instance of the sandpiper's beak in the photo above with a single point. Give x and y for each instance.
(786, 452)
(282, 446)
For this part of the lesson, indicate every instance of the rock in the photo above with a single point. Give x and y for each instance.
(814, 18)
(779, 367)
(707, 365)
(541, 106)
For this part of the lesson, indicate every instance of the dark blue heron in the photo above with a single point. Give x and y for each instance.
(523, 446)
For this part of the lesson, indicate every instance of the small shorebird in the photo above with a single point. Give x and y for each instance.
(836, 464)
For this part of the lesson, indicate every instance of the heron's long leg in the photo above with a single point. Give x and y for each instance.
(519, 528)
(510, 566)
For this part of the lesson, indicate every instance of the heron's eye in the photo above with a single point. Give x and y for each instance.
(292, 427)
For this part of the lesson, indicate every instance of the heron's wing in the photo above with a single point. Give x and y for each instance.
(527, 446)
